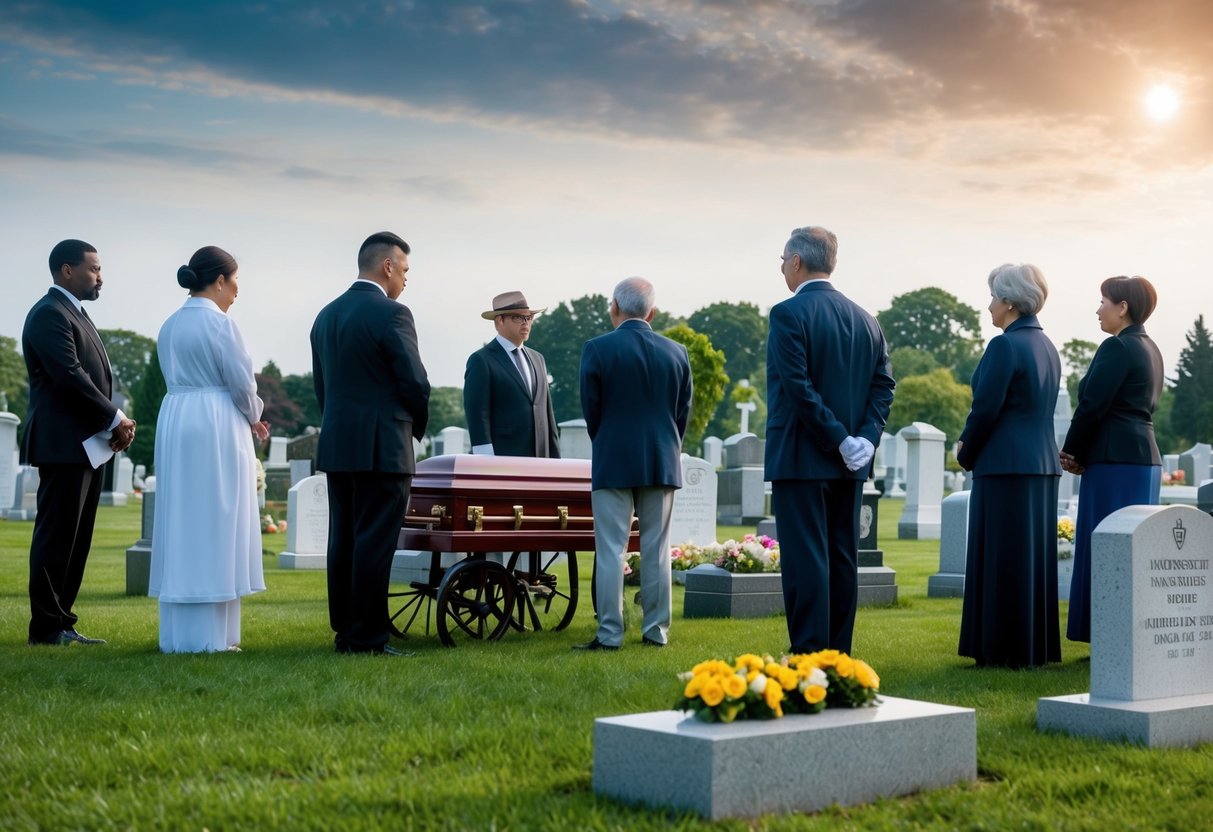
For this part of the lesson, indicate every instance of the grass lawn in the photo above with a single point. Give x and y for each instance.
(489, 736)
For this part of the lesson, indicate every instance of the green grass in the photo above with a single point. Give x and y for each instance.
(495, 735)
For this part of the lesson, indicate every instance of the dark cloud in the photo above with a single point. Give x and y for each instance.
(827, 75)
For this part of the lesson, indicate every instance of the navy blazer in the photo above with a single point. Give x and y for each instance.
(370, 383)
(636, 399)
(1116, 399)
(70, 382)
(499, 408)
(1015, 386)
(827, 378)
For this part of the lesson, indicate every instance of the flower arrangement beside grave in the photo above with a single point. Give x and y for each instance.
(753, 553)
(271, 526)
(259, 473)
(1065, 538)
(1173, 477)
(757, 687)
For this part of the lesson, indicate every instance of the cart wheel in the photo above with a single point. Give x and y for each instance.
(551, 590)
(475, 601)
(404, 606)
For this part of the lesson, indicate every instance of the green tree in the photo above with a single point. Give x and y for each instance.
(707, 376)
(740, 331)
(909, 361)
(1077, 355)
(559, 334)
(446, 409)
(1192, 410)
(935, 398)
(147, 397)
(1169, 442)
(301, 391)
(14, 383)
(935, 322)
(129, 354)
(281, 411)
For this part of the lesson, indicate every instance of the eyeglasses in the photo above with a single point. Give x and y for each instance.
(521, 319)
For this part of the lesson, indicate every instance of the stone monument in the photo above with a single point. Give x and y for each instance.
(741, 498)
(1194, 462)
(574, 439)
(25, 495)
(139, 556)
(1151, 632)
(949, 581)
(693, 519)
(307, 525)
(924, 482)
(8, 457)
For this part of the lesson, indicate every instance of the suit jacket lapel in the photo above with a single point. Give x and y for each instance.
(87, 325)
(507, 364)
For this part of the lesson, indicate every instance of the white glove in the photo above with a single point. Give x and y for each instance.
(856, 452)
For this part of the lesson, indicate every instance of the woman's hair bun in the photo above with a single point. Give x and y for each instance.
(187, 278)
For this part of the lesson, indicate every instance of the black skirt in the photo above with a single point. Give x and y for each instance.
(1010, 603)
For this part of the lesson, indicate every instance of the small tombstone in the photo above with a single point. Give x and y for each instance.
(575, 439)
(712, 450)
(693, 517)
(949, 581)
(307, 525)
(1170, 463)
(124, 475)
(455, 440)
(139, 555)
(277, 451)
(25, 495)
(1194, 462)
(301, 469)
(110, 493)
(741, 492)
(1151, 632)
(139, 478)
(924, 482)
(8, 457)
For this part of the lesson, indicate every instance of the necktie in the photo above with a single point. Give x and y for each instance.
(518, 362)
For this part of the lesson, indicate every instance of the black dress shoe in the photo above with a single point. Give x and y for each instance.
(389, 650)
(648, 642)
(69, 636)
(595, 644)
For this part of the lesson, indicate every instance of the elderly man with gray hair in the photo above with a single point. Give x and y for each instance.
(636, 399)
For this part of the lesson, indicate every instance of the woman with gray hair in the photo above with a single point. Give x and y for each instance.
(1010, 614)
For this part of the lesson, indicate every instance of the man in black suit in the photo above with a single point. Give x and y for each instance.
(505, 387)
(636, 399)
(70, 384)
(829, 390)
(374, 399)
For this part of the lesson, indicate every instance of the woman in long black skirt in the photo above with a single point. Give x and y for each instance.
(1010, 603)
(1111, 438)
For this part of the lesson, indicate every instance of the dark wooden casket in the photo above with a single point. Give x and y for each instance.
(467, 503)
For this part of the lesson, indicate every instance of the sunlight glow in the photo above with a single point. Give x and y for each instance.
(1162, 103)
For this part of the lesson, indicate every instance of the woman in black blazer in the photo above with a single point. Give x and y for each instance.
(1010, 601)
(1111, 437)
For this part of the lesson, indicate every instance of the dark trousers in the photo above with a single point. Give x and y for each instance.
(366, 511)
(63, 534)
(817, 523)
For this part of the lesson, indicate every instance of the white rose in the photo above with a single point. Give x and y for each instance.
(759, 684)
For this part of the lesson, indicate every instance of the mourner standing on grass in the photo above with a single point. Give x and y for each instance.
(636, 399)
(374, 399)
(829, 391)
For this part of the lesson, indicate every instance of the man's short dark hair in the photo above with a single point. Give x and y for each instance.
(68, 253)
(366, 252)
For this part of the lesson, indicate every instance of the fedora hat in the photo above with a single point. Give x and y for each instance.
(510, 303)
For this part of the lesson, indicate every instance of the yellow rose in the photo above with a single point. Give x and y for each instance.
(711, 693)
(814, 694)
(749, 661)
(772, 669)
(865, 675)
(845, 666)
(788, 678)
(734, 686)
(825, 658)
(772, 694)
(693, 686)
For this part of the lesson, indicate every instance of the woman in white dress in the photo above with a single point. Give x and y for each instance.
(206, 544)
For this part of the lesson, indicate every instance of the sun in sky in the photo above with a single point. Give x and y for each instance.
(1162, 102)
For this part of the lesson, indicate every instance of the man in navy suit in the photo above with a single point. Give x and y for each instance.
(374, 399)
(505, 387)
(829, 390)
(636, 399)
(70, 384)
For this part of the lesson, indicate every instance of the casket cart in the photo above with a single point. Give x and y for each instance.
(502, 534)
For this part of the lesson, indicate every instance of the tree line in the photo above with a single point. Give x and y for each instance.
(934, 341)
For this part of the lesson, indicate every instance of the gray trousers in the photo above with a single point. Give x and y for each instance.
(613, 509)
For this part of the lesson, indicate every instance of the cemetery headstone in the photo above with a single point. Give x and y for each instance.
(949, 581)
(693, 518)
(455, 440)
(877, 582)
(713, 450)
(741, 494)
(574, 439)
(301, 469)
(924, 482)
(1194, 462)
(110, 493)
(139, 555)
(124, 475)
(1151, 632)
(25, 495)
(895, 480)
(307, 525)
(8, 457)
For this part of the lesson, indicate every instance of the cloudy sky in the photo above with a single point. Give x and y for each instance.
(557, 146)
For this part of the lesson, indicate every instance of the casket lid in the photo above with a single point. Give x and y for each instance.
(474, 473)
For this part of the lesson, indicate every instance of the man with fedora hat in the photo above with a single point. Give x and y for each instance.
(505, 387)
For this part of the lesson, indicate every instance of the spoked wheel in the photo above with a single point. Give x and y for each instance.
(475, 601)
(549, 580)
(404, 606)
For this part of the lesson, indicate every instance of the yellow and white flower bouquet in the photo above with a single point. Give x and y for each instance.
(759, 687)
